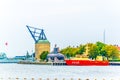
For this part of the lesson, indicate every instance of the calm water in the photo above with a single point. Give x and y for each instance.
(60, 72)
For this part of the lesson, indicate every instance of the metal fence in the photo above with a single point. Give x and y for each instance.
(50, 79)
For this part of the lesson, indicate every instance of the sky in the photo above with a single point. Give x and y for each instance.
(65, 22)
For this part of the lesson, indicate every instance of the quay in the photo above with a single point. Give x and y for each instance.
(9, 61)
(35, 63)
(114, 63)
(44, 63)
(57, 63)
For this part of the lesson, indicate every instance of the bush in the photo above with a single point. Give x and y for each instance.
(44, 55)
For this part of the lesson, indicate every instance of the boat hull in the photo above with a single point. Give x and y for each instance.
(86, 63)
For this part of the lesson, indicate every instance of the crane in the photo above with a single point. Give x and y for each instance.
(36, 33)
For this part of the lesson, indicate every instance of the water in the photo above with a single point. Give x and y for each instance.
(48, 71)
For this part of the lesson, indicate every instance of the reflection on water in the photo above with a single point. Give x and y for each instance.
(60, 72)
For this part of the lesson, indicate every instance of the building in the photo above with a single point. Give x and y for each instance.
(40, 46)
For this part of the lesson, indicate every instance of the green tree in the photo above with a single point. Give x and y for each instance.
(112, 51)
(69, 51)
(93, 51)
(44, 55)
(100, 47)
(81, 49)
(74, 51)
(66, 51)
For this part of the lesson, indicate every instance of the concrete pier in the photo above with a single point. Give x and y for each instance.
(45, 63)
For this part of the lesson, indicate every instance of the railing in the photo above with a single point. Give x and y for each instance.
(50, 79)
(58, 63)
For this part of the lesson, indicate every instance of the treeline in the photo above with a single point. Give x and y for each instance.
(92, 50)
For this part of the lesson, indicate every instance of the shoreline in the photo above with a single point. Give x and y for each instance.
(43, 63)
(61, 63)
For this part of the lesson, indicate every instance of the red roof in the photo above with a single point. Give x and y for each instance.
(118, 48)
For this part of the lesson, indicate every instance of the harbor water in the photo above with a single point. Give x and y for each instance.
(21, 71)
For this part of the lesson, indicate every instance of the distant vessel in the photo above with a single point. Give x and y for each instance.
(86, 63)
(16, 59)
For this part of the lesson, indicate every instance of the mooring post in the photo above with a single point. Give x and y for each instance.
(25, 78)
(8, 78)
(17, 78)
(63, 78)
(40, 78)
(55, 78)
(32, 78)
(79, 79)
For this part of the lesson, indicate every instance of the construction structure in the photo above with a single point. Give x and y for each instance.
(41, 42)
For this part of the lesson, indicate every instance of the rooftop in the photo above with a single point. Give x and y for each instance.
(43, 41)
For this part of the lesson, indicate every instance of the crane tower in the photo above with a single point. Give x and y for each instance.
(41, 42)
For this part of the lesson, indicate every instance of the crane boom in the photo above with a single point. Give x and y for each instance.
(36, 33)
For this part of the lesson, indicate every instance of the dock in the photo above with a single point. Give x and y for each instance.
(114, 63)
(58, 63)
(44, 63)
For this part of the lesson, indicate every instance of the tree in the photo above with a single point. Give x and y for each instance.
(93, 51)
(74, 51)
(100, 47)
(81, 49)
(44, 55)
(67, 51)
(111, 51)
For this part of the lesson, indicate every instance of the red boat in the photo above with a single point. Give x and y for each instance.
(86, 63)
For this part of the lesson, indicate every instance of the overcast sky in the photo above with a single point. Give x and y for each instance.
(65, 22)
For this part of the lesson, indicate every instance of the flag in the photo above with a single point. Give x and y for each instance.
(6, 43)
